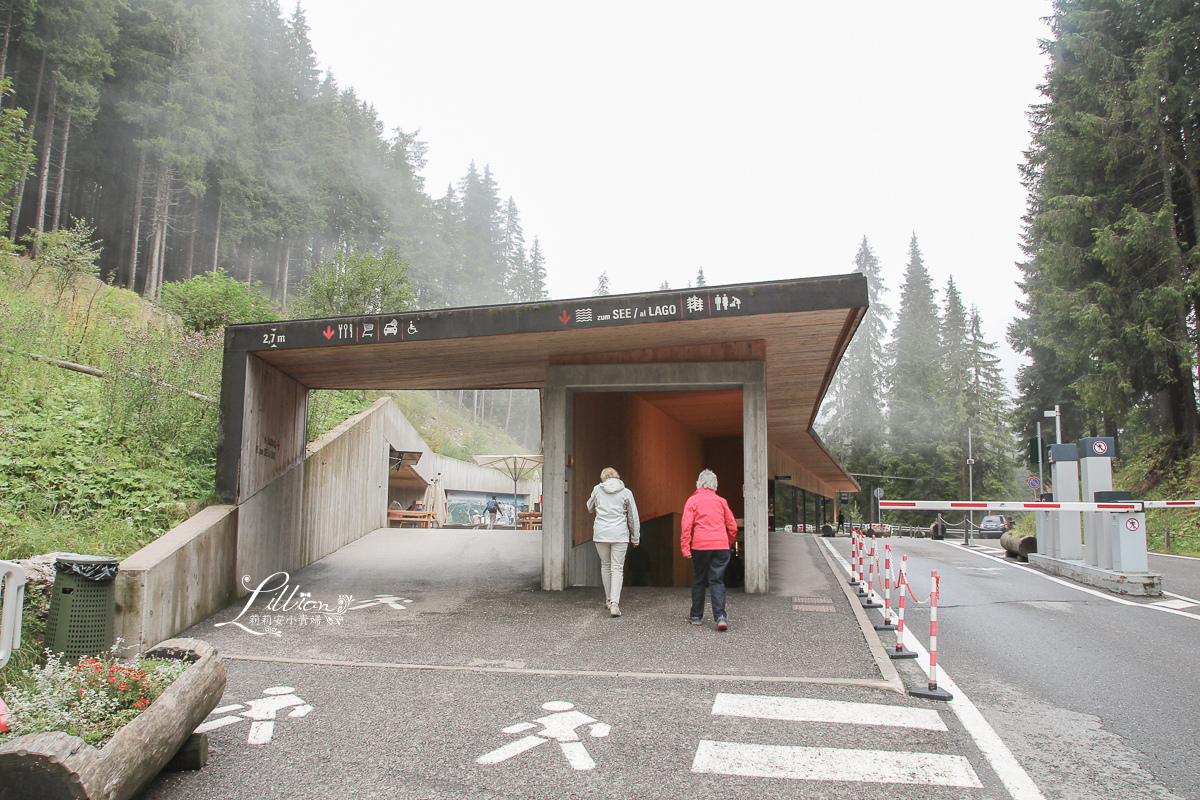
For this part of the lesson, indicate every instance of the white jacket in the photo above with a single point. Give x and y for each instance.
(616, 513)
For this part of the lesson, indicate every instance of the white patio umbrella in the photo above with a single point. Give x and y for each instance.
(515, 467)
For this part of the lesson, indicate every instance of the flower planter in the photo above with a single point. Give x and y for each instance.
(48, 766)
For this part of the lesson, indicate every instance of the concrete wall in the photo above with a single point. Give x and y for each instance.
(561, 562)
(337, 494)
(181, 578)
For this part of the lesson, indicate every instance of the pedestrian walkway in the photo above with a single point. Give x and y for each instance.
(464, 599)
(430, 665)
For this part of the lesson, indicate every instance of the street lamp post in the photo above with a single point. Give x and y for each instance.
(1057, 414)
(970, 490)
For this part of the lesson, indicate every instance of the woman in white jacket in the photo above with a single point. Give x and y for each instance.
(616, 527)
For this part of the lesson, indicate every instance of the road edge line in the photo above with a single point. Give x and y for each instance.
(882, 662)
(1032, 570)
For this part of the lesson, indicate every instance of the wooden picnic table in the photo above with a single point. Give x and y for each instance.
(530, 520)
(420, 519)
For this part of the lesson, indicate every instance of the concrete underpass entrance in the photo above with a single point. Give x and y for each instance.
(658, 385)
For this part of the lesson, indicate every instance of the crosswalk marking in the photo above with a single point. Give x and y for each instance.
(832, 764)
(801, 709)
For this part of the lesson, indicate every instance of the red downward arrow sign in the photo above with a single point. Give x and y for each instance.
(329, 331)
(564, 317)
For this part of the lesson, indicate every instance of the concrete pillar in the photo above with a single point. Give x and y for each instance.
(754, 449)
(1064, 472)
(1095, 475)
(556, 525)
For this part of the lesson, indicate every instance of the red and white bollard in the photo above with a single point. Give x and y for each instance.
(854, 580)
(933, 692)
(862, 575)
(887, 625)
(869, 600)
(900, 650)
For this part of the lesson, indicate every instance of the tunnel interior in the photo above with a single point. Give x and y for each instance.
(658, 442)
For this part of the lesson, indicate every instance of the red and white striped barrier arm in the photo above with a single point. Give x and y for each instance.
(939, 505)
(1170, 503)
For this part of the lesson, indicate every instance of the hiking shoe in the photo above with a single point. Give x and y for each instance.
(722, 624)
(695, 620)
(615, 610)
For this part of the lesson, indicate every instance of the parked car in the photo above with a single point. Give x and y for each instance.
(995, 526)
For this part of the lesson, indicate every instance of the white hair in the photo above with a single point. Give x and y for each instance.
(707, 480)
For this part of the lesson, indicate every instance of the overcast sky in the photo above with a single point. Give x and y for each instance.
(759, 140)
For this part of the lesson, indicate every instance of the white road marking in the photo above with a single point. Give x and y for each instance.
(1182, 597)
(1094, 592)
(1172, 555)
(838, 712)
(833, 764)
(1014, 777)
(1176, 604)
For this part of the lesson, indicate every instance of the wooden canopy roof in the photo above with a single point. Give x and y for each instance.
(800, 328)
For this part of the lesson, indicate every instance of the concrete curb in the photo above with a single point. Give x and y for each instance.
(891, 678)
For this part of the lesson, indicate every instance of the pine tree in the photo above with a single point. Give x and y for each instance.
(1114, 218)
(989, 411)
(700, 278)
(602, 285)
(956, 386)
(516, 268)
(915, 381)
(664, 287)
(855, 425)
(536, 270)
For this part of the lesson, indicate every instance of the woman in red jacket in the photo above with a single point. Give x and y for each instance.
(707, 537)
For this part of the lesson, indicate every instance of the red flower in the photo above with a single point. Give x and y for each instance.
(121, 687)
(112, 680)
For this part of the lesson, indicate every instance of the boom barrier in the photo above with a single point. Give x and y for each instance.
(938, 505)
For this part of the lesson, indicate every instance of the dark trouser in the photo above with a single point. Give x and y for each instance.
(709, 569)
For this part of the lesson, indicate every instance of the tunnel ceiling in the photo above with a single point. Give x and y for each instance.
(800, 328)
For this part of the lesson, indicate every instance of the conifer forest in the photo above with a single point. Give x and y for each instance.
(198, 137)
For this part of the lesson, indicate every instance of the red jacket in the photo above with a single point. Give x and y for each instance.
(708, 524)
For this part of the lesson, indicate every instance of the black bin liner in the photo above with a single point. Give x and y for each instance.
(92, 569)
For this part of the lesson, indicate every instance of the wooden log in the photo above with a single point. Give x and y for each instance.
(1018, 546)
(193, 754)
(44, 766)
(48, 766)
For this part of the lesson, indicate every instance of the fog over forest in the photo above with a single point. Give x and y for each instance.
(200, 135)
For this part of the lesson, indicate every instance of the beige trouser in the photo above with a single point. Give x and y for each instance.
(612, 568)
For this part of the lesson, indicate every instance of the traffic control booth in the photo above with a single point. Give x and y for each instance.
(658, 386)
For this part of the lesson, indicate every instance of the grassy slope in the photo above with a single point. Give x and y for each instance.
(105, 466)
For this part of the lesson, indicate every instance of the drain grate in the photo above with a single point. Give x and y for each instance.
(818, 604)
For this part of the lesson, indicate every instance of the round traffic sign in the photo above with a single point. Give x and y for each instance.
(1034, 483)
(1132, 524)
(1100, 447)
(878, 492)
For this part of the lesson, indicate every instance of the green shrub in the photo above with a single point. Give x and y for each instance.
(214, 299)
(92, 699)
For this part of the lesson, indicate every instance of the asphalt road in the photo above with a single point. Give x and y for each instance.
(479, 686)
(1096, 695)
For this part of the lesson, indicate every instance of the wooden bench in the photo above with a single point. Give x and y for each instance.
(420, 519)
(530, 520)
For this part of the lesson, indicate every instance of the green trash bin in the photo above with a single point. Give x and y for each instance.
(82, 606)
